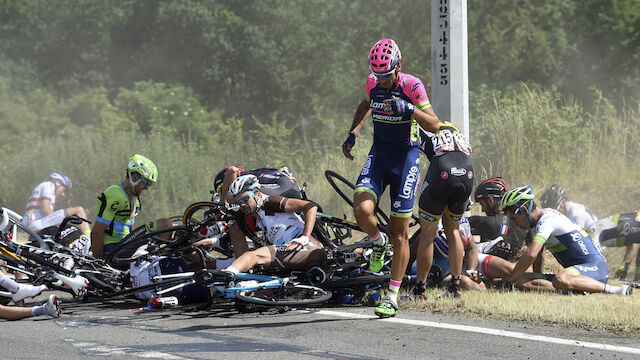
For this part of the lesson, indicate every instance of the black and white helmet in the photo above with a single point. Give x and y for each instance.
(244, 183)
(553, 196)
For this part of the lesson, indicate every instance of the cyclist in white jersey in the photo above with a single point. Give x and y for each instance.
(555, 197)
(40, 212)
(585, 268)
(292, 246)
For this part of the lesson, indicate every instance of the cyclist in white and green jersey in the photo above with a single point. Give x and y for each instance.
(585, 268)
(119, 204)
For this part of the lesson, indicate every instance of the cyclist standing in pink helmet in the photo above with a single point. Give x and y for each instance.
(399, 106)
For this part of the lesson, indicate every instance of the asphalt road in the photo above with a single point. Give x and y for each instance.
(113, 330)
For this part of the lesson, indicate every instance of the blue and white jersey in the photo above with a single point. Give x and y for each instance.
(569, 243)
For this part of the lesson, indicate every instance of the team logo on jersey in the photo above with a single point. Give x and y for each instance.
(587, 268)
(367, 165)
(444, 175)
(419, 96)
(397, 204)
(365, 181)
(114, 206)
(415, 87)
(409, 182)
(458, 171)
(470, 175)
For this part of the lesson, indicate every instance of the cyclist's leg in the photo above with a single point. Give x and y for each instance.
(15, 312)
(238, 240)
(568, 279)
(368, 189)
(494, 267)
(52, 219)
(590, 277)
(428, 232)
(261, 256)
(303, 258)
(531, 281)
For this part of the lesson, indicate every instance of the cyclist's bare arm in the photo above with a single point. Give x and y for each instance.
(232, 173)
(362, 112)
(97, 239)
(538, 265)
(526, 260)
(427, 119)
(471, 254)
(308, 208)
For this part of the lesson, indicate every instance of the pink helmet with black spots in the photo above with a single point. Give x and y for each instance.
(384, 56)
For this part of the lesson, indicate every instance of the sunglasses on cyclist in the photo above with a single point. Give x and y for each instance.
(384, 75)
(244, 198)
(146, 182)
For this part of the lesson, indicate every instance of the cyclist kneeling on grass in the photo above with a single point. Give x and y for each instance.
(585, 268)
(293, 247)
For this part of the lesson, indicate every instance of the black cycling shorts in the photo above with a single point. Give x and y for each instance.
(447, 185)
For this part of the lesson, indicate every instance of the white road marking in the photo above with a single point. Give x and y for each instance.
(109, 350)
(482, 330)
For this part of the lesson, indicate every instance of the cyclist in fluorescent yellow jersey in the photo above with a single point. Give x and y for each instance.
(118, 206)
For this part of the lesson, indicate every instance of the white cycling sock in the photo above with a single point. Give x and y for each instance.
(39, 310)
(610, 289)
(9, 284)
(379, 239)
(233, 269)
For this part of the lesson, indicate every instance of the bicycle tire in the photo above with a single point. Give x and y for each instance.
(121, 256)
(176, 219)
(287, 295)
(188, 216)
(356, 282)
(332, 177)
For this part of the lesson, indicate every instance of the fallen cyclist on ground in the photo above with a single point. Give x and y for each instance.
(291, 245)
(440, 272)
(273, 182)
(620, 230)
(494, 233)
(585, 269)
(19, 292)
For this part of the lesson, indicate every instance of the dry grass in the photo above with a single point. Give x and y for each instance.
(613, 313)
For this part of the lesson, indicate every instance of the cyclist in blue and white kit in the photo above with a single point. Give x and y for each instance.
(585, 268)
(399, 105)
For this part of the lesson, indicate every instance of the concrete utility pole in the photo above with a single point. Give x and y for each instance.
(449, 63)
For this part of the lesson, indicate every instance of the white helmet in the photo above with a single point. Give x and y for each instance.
(64, 180)
(243, 183)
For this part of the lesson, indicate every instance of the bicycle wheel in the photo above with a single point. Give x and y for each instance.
(356, 282)
(121, 256)
(341, 185)
(201, 211)
(287, 295)
(176, 219)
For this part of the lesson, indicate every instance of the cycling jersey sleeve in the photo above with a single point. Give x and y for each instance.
(370, 83)
(414, 89)
(543, 230)
(274, 204)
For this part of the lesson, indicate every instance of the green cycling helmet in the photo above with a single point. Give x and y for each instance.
(517, 197)
(144, 167)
